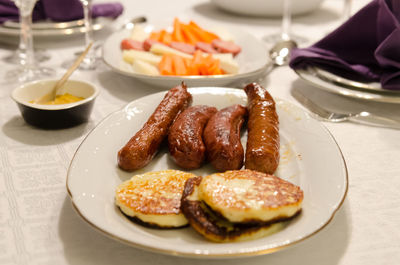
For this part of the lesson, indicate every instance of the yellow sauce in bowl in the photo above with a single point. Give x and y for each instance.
(63, 99)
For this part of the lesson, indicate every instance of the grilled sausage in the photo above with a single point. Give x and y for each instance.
(262, 152)
(142, 147)
(222, 138)
(185, 137)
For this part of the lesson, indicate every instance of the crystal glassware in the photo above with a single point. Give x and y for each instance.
(28, 69)
(90, 61)
(346, 10)
(285, 33)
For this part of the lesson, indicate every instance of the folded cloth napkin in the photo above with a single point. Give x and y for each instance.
(59, 10)
(366, 48)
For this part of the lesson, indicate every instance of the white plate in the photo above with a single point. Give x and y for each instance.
(310, 158)
(266, 7)
(253, 61)
(56, 29)
(339, 85)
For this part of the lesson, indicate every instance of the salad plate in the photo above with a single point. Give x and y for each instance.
(253, 60)
(310, 158)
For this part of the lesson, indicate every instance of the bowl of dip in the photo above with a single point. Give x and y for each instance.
(72, 107)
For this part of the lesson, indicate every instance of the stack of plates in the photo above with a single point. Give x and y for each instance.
(339, 85)
(51, 29)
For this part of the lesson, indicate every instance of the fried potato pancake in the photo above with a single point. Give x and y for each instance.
(154, 198)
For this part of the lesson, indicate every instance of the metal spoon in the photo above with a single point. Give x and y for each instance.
(136, 20)
(280, 53)
(56, 89)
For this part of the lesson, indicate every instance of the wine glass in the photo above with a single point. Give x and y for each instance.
(346, 10)
(90, 61)
(28, 70)
(285, 33)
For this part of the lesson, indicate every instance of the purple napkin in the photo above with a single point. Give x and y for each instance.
(366, 48)
(60, 10)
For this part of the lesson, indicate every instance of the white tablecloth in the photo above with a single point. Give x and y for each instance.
(39, 226)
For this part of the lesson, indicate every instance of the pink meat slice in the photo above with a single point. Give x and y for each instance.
(183, 47)
(148, 43)
(205, 47)
(129, 44)
(226, 46)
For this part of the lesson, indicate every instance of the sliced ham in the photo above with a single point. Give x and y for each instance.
(205, 47)
(183, 47)
(129, 44)
(226, 47)
(148, 43)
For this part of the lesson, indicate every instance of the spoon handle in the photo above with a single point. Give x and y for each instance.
(75, 65)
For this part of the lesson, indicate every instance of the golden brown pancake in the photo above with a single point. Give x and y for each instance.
(154, 198)
(248, 195)
(211, 221)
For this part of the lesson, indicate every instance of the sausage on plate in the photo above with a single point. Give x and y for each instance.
(222, 138)
(262, 151)
(185, 137)
(143, 146)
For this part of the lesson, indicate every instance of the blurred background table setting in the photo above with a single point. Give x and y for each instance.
(341, 55)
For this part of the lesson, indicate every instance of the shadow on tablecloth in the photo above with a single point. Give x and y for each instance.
(85, 246)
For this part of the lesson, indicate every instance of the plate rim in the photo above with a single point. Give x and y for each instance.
(386, 97)
(208, 255)
(98, 24)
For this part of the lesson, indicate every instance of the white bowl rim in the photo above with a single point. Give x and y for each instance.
(58, 106)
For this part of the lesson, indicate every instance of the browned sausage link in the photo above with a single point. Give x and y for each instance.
(262, 152)
(142, 147)
(222, 138)
(185, 137)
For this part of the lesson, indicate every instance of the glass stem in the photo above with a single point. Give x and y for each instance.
(87, 12)
(286, 19)
(26, 41)
(347, 9)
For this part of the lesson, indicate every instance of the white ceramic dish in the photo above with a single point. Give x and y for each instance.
(55, 116)
(271, 8)
(56, 29)
(338, 85)
(310, 158)
(253, 61)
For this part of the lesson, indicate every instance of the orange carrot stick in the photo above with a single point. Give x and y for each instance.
(165, 66)
(202, 34)
(177, 32)
(188, 34)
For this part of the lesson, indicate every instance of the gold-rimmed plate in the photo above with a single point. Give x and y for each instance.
(253, 60)
(310, 158)
(55, 29)
(339, 85)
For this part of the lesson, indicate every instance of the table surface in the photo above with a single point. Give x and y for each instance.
(39, 226)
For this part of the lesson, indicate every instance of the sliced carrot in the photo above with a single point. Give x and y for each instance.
(177, 32)
(165, 37)
(188, 34)
(179, 65)
(199, 64)
(202, 34)
(155, 36)
(165, 66)
(197, 57)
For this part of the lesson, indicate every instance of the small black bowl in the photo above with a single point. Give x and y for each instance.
(55, 116)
